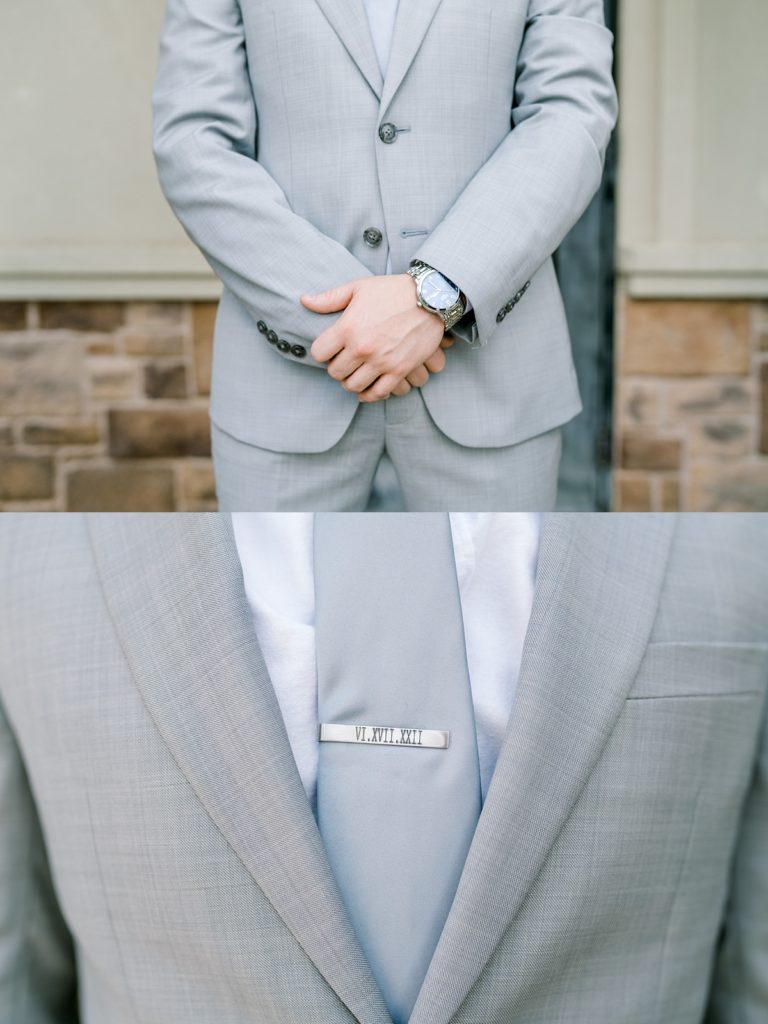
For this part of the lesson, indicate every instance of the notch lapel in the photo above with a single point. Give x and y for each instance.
(348, 19)
(413, 19)
(598, 582)
(174, 589)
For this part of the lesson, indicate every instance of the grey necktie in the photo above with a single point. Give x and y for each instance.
(397, 814)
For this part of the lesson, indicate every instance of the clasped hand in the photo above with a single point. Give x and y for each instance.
(383, 343)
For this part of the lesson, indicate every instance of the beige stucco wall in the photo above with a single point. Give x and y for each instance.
(693, 183)
(691, 329)
(81, 213)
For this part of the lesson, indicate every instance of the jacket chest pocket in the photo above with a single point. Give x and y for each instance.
(694, 712)
(684, 747)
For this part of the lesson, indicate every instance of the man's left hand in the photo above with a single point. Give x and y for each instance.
(382, 337)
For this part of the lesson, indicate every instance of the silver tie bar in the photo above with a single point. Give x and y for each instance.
(389, 735)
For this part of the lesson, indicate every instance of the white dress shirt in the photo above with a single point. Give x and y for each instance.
(381, 18)
(496, 556)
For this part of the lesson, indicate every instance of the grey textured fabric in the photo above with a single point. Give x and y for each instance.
(396, 821)
(434, 473)
(266, 117)
(150, 807)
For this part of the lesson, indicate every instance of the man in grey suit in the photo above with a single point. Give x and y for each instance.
(380, 188)
(158, 851)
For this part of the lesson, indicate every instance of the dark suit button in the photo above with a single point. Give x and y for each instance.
(500, 315)
(387, 132)
(510, 304)
(372, 237)
(284, 346)
(262, 326)
(271, 337)
(298, 350)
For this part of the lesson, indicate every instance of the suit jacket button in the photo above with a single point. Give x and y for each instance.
(299, 351)
(387, 132)
(271, 337)
(500, 315)
(262, 327)
(372, 237)
(284, 346)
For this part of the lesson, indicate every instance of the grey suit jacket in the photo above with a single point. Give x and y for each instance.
(269, 139)
(155, 838)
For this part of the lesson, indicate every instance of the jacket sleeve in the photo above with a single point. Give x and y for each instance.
(533, 188)
(37, 965)
(740, 982)
(204, 135)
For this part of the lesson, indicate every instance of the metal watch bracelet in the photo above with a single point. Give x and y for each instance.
(450, 316)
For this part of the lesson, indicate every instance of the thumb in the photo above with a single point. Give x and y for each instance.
(331, 300)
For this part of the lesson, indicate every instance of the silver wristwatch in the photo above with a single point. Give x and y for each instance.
(437, 294)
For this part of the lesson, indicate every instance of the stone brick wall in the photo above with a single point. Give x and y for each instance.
(691, 405)
(103, 406)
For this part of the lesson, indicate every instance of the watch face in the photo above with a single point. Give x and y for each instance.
(437, 291)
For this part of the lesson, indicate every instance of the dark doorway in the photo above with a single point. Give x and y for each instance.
(584, 264)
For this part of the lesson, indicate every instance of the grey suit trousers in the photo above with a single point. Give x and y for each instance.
(433, 471)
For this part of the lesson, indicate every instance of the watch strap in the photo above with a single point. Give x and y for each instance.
(418, 270)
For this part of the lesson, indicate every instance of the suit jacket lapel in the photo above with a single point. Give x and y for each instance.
(351, 25)
(411, 24)
(598, 583)
(174, 588)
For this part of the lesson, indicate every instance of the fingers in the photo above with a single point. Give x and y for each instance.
(381, 388)
(363, 377)
(415, 379)
(418, 378)
(329, 301)
(330, 342)
(436, 361)
(343, 365)
(327, 345)
(371, 388)
(447, 341)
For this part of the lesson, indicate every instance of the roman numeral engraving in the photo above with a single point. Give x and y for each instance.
(389, 735)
